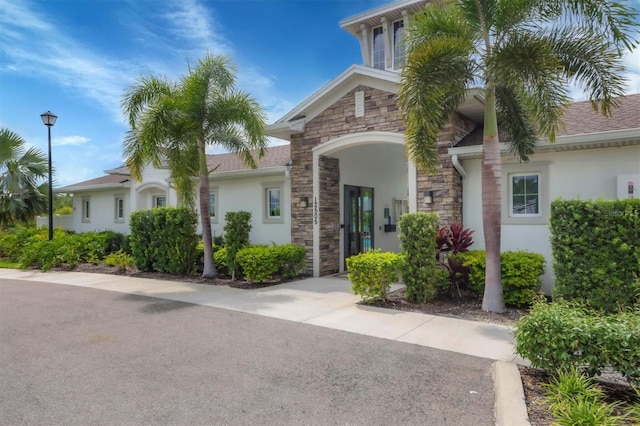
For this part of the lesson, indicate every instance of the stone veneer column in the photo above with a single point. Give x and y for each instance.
(329, 215)
(446, 184)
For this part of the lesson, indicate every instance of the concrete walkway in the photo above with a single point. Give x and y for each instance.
(327, 302)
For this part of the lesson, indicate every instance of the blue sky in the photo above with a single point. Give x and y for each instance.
(76, 57)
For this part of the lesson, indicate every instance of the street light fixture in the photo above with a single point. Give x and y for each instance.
(49, 119)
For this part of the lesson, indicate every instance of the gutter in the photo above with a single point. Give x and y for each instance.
(456, 164)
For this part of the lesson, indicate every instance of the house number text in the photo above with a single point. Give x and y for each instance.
(315, 210)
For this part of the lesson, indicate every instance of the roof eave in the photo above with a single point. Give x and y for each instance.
(100, 187)
(612, 138)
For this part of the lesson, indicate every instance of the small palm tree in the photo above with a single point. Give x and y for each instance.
(176, 121)
(523, 54)
(20, 171)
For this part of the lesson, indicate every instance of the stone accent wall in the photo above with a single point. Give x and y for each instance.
(446, 184)
(329, 215)
(381, 114)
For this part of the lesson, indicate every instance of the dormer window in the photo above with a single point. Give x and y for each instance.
(377, 52)
(398, 44)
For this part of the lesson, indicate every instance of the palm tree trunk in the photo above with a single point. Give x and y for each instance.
(209, 270)
(492, 300)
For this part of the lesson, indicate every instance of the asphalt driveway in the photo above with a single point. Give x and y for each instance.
(73, 355)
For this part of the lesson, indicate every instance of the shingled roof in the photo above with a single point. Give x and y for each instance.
(275, 156)
(580, 118)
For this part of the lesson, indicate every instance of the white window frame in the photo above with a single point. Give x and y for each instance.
(214, 191)
(509, 171)
(267, 187)
(117, 217)
(398, 51)
(155, 198)
(375, 64)
(86, 209)
(512, 176)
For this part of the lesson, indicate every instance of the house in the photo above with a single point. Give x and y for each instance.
(106, 202)
(348, 159)
(345, 178)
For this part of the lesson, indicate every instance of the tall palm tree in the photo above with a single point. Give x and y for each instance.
(176, 121)
(20, 171)
(522, 54)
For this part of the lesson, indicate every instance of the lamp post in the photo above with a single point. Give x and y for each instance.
(49, 119)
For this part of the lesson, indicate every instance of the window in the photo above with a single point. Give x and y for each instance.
(213, 205)
(119, 206)
(86, 212)
(377, 53)
(273, 202)
(524, 194)
(525, 200)
(159, 201)
(398, 45)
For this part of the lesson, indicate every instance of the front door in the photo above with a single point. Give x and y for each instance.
(358, 220)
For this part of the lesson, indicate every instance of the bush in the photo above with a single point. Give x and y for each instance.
(291, 259)
(520, 272)
(258, 262)
(220, 260)
(420, 272)
(236, 230)
(118, 259)
(372, 273)
(564, 335)
(451, 241)
(596, 252)
(164, 239)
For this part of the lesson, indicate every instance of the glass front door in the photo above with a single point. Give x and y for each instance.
(358, 219)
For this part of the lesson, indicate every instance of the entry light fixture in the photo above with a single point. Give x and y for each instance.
(304, 202)
(428, 197)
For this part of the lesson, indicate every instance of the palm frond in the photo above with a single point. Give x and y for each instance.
(515, 119)
(145, 92)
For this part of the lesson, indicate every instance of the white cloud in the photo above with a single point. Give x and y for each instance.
(69, 140)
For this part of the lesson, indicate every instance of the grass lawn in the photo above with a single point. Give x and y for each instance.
(8, 265)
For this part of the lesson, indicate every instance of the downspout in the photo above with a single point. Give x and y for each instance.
(456, 164)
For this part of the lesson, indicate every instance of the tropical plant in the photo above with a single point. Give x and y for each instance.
(522, 54)
(450, 241)
(175, 122)
(20, 171)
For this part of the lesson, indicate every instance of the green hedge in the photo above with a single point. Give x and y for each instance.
(596, 252)
(260, 263)
(164, 239)
(520, 274)
(236, 231)
(420, 272)
(563, 335)
(31, 248)
(372, 273)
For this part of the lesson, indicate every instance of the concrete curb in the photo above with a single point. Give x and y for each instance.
(510, 406)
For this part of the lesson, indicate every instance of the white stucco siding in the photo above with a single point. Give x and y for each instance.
(580, 174)
(248, 194)
(102, 211)
(382, 167)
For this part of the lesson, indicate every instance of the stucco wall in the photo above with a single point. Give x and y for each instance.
(102, 211)
(581, 174)
(247, 194)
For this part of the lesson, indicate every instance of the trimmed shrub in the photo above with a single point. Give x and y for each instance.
(220, 260)
(164, 239)
(291, 259)
(420, 272)
(564, 335)
(258, 263)
(596, 252)
(236, 231)
(372, 273)
(119, 259)
(520, 272)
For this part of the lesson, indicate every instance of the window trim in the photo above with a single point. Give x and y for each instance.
(154, 200)
(214, 190)
(85, 210)
(396, 44)
(266, 187)
(373, 47)
(508, 172)
(116, 217)
(511, 194)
